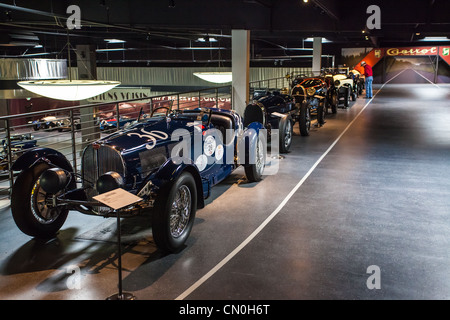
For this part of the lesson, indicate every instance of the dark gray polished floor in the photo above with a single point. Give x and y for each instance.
(379, 197)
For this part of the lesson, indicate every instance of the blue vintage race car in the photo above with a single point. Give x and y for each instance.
(47, 123)
(278, 111)
(111, 124)
(20, 143)
(170, 161)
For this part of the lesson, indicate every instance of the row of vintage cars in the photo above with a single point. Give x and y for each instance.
(64, 123)
(170, 160)
(308, 98)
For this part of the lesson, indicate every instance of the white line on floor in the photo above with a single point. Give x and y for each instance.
(276, 211)
(425, 78)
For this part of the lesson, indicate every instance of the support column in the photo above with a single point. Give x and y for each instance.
(4, 111)
(240, 67)
(87, 70)
(317, 56)
(437, 67)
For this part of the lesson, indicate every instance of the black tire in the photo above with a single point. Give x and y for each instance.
(321, 113)
(254, 171)
(30, 214)
(326, 104)
(286, 131)
(333, 102)
(347, 98)
(304, 121)
(353, 96)
(166, 226)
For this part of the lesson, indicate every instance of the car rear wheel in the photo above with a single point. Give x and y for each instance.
(353, 94)
(321, 113)
(334, 106)
(254, 171)
(174, 214)
(30, 208)
(347, 97)
(286, 132)
(335, 98)
(334, 102)
(304, 119)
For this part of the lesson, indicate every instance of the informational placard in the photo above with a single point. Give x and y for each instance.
(117, 198)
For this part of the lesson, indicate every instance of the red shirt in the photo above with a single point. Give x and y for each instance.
(368, 70)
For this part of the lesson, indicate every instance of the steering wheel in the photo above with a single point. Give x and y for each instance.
(166, 109)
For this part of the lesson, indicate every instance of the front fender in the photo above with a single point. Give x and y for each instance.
(169, 172)
(247, 141)
(255, 126)
(255, 112)
(281, 124)
(29, 158)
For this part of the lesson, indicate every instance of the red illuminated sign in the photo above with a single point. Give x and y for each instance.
(416, 51)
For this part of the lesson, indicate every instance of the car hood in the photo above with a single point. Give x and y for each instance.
(271, 100)
(148, 134)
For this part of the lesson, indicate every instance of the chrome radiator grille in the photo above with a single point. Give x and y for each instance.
(97, 162)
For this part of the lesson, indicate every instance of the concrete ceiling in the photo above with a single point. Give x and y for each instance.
(167, 32)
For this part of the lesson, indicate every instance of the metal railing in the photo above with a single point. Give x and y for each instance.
(69, 129)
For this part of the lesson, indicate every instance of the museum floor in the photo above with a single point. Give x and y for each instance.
(369, 189)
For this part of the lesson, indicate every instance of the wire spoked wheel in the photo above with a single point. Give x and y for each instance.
(180, 212)
(31, 206)
(286, 132)
(174, 214)
(254, 169)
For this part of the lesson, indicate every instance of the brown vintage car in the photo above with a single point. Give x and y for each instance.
(311, 97)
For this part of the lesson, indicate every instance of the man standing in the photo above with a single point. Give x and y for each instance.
(369, 79)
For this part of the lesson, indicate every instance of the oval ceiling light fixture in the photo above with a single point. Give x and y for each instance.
(215, 77)
(68, 90)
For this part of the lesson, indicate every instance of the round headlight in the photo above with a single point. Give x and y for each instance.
(311, 91)
(109, 181)
(53, 180)
(337, 83)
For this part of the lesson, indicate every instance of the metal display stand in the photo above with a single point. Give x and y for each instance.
(120, 295)
(117, 199)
